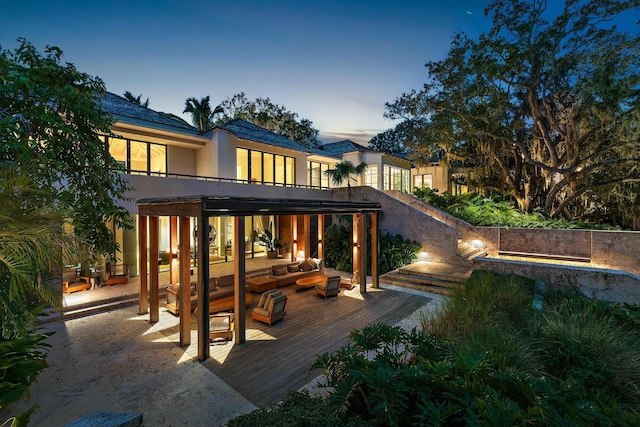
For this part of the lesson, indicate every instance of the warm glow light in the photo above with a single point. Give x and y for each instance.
(476, 244)
(424, 256)
(300, 254)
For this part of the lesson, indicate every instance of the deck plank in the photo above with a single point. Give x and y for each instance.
(277, 359)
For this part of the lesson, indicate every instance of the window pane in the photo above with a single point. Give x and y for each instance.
(138, 159)
(118, 150)
(315, 174)
(291, 170)
(324, 179)
(268, 168)
(256, 166)
(279, 169)
(158, 158)
(387, 178)
(242, 164)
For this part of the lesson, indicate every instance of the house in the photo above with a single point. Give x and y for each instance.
(164, 156)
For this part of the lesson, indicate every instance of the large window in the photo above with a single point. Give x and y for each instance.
(264, 168)
(396, 178)
(371, 176)
(422, 180)
(316, 174)
(138, 157)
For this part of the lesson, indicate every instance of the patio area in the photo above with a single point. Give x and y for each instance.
(118, 361)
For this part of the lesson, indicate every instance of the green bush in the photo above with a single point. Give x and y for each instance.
(489, 358)
(298, 409)
(395, 250)
(495, 210)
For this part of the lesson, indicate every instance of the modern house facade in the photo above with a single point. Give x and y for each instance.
(163, 156)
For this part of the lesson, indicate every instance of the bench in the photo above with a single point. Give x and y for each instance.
(555, 257)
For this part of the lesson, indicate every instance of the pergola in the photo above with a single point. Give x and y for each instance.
(182, 209)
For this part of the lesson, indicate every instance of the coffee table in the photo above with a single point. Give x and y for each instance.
(309, 282)
(261, 283)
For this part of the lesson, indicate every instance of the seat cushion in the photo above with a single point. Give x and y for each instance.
(306, 266)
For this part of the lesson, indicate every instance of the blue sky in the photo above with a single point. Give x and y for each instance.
(333, 62)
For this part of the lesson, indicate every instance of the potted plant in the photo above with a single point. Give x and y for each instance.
(271, 243)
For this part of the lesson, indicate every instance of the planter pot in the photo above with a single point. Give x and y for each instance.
(272, 254)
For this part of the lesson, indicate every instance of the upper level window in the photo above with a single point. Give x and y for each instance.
(371, 176)
(264, 168)
(316, 174)
(138, 157)
(421, 180)
(396, 178)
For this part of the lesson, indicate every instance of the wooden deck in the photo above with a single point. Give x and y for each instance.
(277, 359)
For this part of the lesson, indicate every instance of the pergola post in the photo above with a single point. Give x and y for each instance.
(362, 252)
(306, 221)
(173, 250)
(154, 268)
(374, 251)
(239, 280)
(354, 243)
(143, 302)
(294, 236)
(203, 286)
(185, 281)
(321, 238)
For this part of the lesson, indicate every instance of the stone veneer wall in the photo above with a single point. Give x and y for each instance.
(603, 284)
(438, 239)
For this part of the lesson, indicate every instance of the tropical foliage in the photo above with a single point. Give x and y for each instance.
(32, 244)
(276, 118)
(540, 107)
(51, 117)
(395, 250)
(344, 171)
(489, 357)
(202, 115)
(136, 99)
(496, 210)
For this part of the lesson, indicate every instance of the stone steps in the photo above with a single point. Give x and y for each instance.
(437, 278)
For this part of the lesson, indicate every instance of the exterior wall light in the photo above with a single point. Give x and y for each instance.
(424, 256)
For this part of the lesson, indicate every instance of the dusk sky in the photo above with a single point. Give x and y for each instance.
(333, 62)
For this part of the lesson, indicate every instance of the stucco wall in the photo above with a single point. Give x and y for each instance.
(181, 160)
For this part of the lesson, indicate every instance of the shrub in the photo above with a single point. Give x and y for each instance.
(298, 409)
(495, 210)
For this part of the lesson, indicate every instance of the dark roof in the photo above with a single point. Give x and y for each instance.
(347, 146)
(128, 111)
(245, 130)
(341, 147)
(243, 206)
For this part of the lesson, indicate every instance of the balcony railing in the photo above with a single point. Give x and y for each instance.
(218, 179)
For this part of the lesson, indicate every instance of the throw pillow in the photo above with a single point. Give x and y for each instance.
(293, 268)
(279, 270)
(313, 262)
(305, 266)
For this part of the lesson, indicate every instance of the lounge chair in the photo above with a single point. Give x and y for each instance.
(221, 326)
(350, 283)
(71, 282)
(328, 287)
(118, 274)
(271, 307)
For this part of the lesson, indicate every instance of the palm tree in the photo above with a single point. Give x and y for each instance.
(136, 99)
(344, 171)
(201, 113)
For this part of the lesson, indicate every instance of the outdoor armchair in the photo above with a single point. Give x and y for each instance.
(118, 274)
(328, 287)
(221, 326)
(270, 308)
(350, 283)
(71, 282)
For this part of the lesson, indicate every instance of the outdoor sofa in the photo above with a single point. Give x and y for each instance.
(220, 295)
(286, 274)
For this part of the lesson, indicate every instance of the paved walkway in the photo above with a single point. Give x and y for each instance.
(117, 361)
